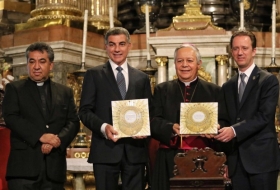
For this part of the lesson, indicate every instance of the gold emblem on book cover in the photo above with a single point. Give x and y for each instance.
(198, 118)
(131, 118)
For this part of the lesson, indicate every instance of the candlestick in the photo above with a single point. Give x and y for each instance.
(147, 31)
(111, 18)
(273, 29)
(85, 36)
(241, 5)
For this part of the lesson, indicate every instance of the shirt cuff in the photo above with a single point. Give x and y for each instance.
(233, 131)
(102, 129)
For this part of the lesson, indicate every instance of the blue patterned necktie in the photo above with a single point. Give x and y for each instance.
(242, 85)
(121, 82)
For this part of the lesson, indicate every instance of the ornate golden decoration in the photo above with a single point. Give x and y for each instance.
(222, 59)
(69, 181)
(152, 83)
(75, 82)
(131, 117)
(56, 12)
(89, 181)
(81, 154)
(101, 22)
(161, 61)
(48, 13)
(99, 13)
(192, 19)
(199, 118)
(247, 4)
(204, 75)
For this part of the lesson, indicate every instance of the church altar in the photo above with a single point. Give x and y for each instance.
(79, 174)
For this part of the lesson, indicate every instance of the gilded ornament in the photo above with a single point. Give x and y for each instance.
(199, 118)
(222, 59)
(131, 118)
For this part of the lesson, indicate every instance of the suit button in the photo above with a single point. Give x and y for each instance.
(238, 119)
(47, 126)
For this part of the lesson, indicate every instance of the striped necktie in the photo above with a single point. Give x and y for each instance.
(242, 86)
(121, 82)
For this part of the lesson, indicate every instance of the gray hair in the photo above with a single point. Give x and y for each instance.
(197, 53)
(117, 31)
(40, 46)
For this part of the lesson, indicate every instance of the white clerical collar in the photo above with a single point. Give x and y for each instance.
(189, 83)
(40, 83)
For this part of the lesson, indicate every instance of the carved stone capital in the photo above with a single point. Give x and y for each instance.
(222, 59)
(161, 61)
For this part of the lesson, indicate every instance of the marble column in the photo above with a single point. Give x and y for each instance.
(162, 70)
(222, 69)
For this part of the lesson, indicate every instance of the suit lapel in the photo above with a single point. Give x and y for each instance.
(107, 69)
(234, 80)
(131, 82)
(252, 81)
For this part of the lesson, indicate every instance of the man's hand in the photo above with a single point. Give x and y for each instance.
(110, 132)
(46, 148)
(51, 139)
(210, 136)
(226, 173)
(176, 128)
(225, 134)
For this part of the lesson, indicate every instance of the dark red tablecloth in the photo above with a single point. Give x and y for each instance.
(4, 153)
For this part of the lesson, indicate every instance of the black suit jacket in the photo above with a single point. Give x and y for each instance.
(23, 114)
(99, 89)
(254, 122)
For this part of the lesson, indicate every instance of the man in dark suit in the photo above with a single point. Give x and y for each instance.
(247, 115)
(42, 123)
(111, 157)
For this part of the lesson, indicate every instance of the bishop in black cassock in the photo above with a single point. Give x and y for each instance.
(166, 101)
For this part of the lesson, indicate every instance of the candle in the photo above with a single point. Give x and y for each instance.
(277, 5)
(273, 29)
(111, 18)
(241, 5)
(85, 36)
(147, 31)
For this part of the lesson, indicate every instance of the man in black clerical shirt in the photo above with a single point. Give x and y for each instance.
(43, 120)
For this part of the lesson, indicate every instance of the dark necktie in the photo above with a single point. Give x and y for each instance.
(242, 85)
(121, 82)
(43, 97)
